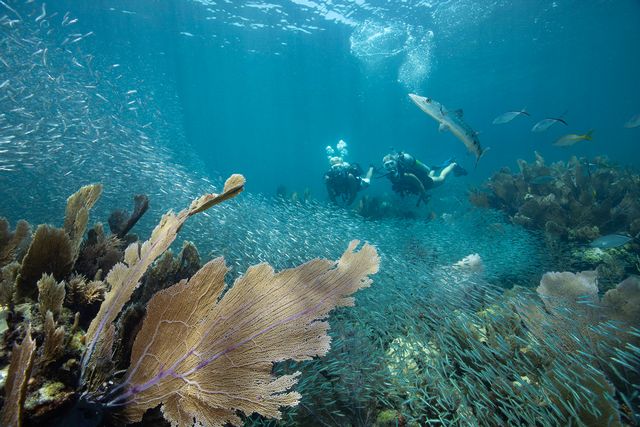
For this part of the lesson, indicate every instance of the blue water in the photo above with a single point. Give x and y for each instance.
(169, 97)
(528, 54)
(253, 96)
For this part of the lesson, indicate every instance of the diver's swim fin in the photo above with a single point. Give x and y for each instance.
(459, 171)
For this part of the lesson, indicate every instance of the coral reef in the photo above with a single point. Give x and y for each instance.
(230, 339)
(416, 354)
(50, 295)
(573, 203)
(623, 302)
(120, 222)
(168, 270)
(99, 253)
(50, 252)
(579, 199)
(15, 388)
(12, 241)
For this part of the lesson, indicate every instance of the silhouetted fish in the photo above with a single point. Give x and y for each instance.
(633, 122)
(508, 116)
(545, 124)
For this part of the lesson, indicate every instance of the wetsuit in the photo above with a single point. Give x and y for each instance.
(411, 176)
(344, 182)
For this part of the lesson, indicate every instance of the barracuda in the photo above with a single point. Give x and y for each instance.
(451, 121)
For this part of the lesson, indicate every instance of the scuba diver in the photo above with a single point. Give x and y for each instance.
(410, 176)
(344, 180)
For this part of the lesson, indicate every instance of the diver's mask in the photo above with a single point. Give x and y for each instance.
(390, 164)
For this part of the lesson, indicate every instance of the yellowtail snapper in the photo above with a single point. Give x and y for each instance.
(573, 138)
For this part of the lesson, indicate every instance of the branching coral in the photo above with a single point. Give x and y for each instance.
(51, 251)
(98, 253)
(81, 293)
(121, 222)
(53, 345)
(10, 242)
(124, 278)
(168, 270)
(16, 384)
(50, 295)
(77, 214)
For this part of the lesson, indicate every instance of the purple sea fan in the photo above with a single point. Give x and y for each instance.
(203, 359)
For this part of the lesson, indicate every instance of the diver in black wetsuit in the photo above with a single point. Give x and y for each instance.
(344, 180)
(410, 176)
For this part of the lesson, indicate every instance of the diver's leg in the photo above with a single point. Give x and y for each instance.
(443, 173)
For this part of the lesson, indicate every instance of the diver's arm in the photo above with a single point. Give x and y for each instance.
(422, 196)
(369, 174)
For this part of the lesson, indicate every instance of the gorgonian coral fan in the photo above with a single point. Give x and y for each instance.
(203, 360)
(225, 351)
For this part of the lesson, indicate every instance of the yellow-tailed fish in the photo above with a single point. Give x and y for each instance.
(573, 138)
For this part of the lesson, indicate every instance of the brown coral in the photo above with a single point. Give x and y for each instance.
(121, 222)
(50, 295)
(53, 345)
(623, 302)
(77, 214)
(50, 252)
(16, 384)
(8, 275)
(167, 271)
(10, 242)
(567, 289)
(124, 277)
(223, 361)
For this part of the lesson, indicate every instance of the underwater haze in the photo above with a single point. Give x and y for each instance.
(507, 294)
